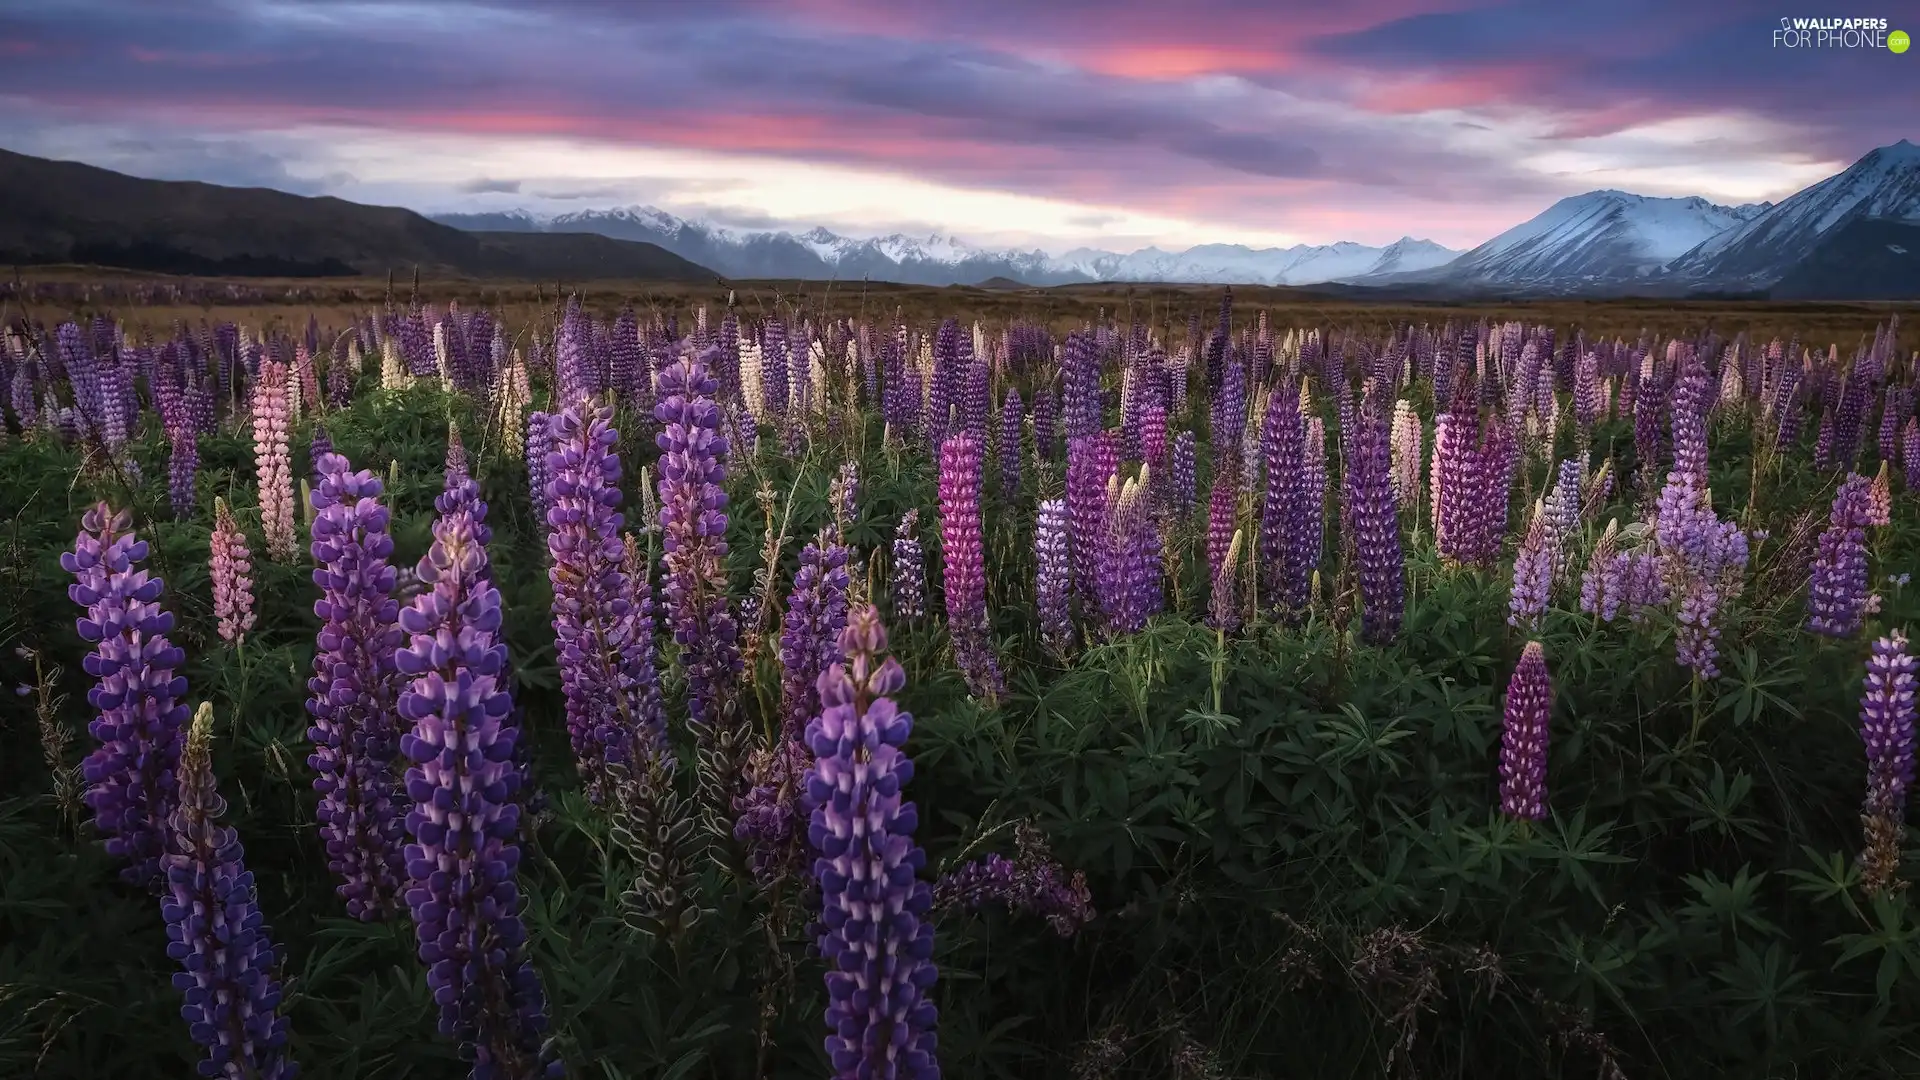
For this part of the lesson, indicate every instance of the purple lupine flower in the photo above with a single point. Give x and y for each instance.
(231, 568)
(1185, 473)
(1080, 374)
(130, 775)
(1823, 441)
(1895, 408)
(1283, 542)
(592, 610)
(183, 466)
(1600, 584)
(1046, 413)
(539, 441)
(1910, 453)
(321, 446)
(909, 570)
(1130, 566)
(1524, 735)
(215, 929)
(464, 783)
(1053, 577)
(963, 562)
(1012, 415)
(693, 524)
(1837, 585)
(1375, 519)
(1689, 420)
(273, 462)
(1532, 574)
(353, 689)
(1091, 463)
(1700, 554)
(875, 938)
(810, 631)
(1562, 509)
(1032, 882)
(768, 819)
(1887, 726)
(1313, 501)
(1223, 602)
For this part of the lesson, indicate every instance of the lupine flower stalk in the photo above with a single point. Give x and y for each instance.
(1837, 585)
(215, 929)
(464, 781)
(875, 936)
(1533, 573)
(1524, 735)
(1032, 883)
(693, 526)
(231, 569)
(594, 624)
(354, 685)
(273, 460)
(810, 632)
(1053, 577)
(909, 581)
(1887, 729)
(1374, 518)
(963, 562)
(130, 775)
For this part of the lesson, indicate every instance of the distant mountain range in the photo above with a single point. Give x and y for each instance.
(1855, 235)
(820, 254)
(1602, 243)
(63, 211)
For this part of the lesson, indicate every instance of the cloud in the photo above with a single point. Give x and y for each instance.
(1287, 117)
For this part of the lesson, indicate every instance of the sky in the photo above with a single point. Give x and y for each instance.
(1114, 124)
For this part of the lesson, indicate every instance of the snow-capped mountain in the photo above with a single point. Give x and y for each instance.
(1884, 184)
(820, 254)
(1597, 238)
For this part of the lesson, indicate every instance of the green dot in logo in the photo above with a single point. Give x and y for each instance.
(1898, 41)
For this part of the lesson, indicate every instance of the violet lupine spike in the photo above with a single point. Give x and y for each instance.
(1887, 730)
(355, 729)
(539, 442)
(1032, 883)
(1524, 736)
(1314, 497)
(1012, 421)
(273, 460)
(1091, 462)
(464, 784)
(183, 461)
(1837, 584)
(1046, 412)
(321, 446)
(231, 568)
(1053, 577)
(1131, 568)
(215, 930)
(693, 523)
(1600, 584)
(876, 939)
(810, 631)
(1910, 453)
(130, 775)
(1282, 547)
(1375, 519)
(592, 608)
(1532, 574)
(909, 580)
(963, 562)
(1185, 472)
(1223, 601)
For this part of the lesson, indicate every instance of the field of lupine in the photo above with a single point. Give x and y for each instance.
(693, 695)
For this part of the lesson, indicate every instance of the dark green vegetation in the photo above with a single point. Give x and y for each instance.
(66, 212)
(1290, 837)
